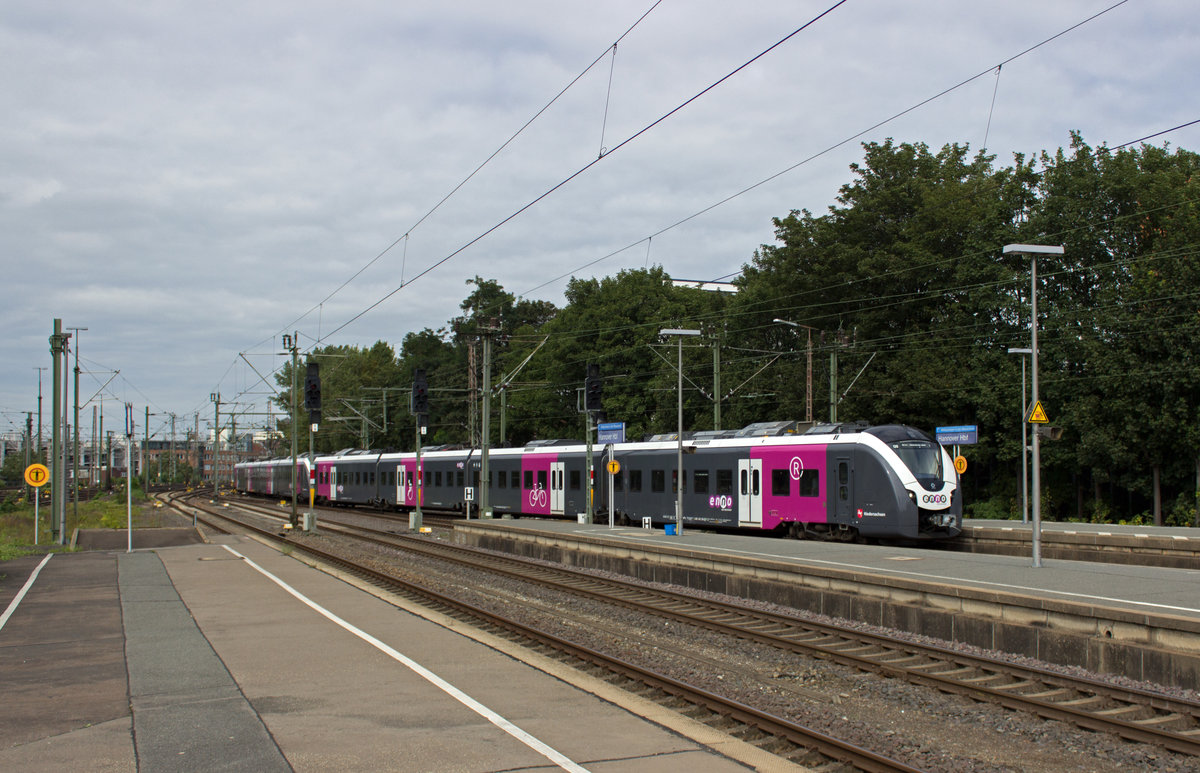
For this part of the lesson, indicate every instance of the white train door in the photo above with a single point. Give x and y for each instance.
(750, 505)
(557, 489)
(333, 484)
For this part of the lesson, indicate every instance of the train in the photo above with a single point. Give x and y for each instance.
(843, 482)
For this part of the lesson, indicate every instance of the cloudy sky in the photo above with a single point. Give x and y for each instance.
(190, 180)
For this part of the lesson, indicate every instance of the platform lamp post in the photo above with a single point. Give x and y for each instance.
(679, 335)
(1024, 438)
(1033, 250)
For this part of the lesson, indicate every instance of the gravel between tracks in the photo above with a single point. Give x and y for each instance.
(920, 726)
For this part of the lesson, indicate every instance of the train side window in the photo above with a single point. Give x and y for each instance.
(700, 481)
(743, 483)
(724, 481)
(635, 481)
(437, 478)
(619, 481)
(781, 483)
(460, 479)
(658, 481)
(529, 479)
(754, 482)
(541, 477)
(575, 480)
(371, 475)
(843, 481)
(810, 483)
(501, 479)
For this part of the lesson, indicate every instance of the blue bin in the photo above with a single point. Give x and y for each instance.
(669, 529)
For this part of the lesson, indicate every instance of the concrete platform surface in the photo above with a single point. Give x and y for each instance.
(234, 657)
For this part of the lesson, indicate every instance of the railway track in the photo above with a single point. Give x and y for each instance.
(1133, 714)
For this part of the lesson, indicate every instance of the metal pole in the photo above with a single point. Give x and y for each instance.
(129, 476)
(146, 454)
(679, 445)
(1024, 450)
(485, 470)
(1033, 250)
(216, 398)
(1037, 449)
(589, 471)
(717, 381)
(57, 343)
(833, 384)
(75, 445)
(1024, 438)
(415, 518)
(294, 429)
(612, 519)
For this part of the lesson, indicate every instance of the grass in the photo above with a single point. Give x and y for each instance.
(105, 511)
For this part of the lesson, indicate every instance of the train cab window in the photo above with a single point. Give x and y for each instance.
(724, 481)
(529, 479)
(635, 481)
(658, 481)
(541, 479)
(576, 480)
(781, 483)
(810, 483)
(700, 481)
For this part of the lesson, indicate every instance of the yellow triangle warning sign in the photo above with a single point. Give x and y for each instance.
(1038, 414)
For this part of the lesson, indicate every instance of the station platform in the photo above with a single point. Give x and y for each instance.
(232, 656)
(1138, 621)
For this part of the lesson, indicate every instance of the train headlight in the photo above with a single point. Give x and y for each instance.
(912, 497)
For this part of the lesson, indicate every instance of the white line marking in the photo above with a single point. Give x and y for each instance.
(12, 607)
(544, 749)
(930, 575)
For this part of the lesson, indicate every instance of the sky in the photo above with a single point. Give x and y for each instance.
(189, 181)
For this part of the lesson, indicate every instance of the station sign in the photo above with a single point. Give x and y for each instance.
(965, 435)
(610, 432)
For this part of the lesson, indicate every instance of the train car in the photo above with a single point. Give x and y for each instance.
(838, 481)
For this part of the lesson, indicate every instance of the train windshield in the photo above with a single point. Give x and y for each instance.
(922, 457)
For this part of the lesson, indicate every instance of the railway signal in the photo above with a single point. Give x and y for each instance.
(312, 388)
(420, 393)
(593, 390)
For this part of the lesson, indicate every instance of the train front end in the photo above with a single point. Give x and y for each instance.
(925, 483)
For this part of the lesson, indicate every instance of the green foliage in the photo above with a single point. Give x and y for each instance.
(904, 281)
(997, 508)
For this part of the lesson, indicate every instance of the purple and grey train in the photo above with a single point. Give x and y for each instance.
(836, 481)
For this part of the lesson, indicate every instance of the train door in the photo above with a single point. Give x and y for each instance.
(333, 484)
(557, 489)
(750, 505)
(843, 490)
